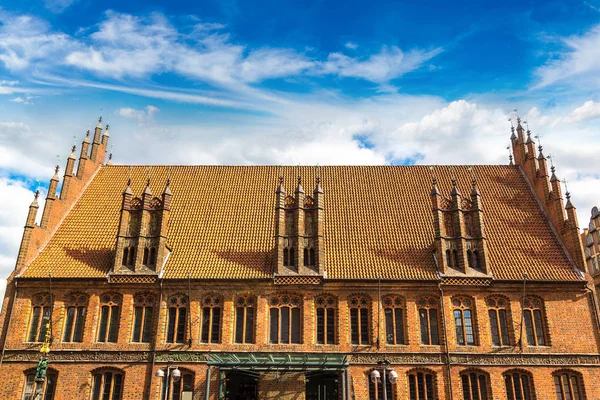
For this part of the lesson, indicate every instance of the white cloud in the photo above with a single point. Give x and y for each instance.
(22, 100)
(351, 45)
(589, 110)
(139, 115)
(273, 63)
(579, 62)
(58, 6)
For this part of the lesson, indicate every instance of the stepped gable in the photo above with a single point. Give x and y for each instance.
(377, 218)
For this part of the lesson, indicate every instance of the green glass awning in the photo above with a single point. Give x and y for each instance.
(278, 361)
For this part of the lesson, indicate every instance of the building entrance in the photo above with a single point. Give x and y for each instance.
(241, 385)
(322, 386)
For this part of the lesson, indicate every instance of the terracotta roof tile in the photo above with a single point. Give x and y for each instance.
(376, 217)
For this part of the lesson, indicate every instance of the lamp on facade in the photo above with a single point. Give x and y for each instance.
(376, 375)
(171, 371)
(393, 375)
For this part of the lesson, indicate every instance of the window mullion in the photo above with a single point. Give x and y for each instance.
(244, 324)
(210, 320)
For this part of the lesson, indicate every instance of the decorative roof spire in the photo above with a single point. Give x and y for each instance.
(167, 190)
(106, 131)
(569, 205)
(34, 203)
(147, 190)
(56, 169)
(280, 189)
(73, 148)
(99, 123)
(87, 136)
(109, 159)
(318, 188)
(455, 190)
(434, 188)
(540, 148)
(512, 129)
(475, 191)
(128, 188)
(299, 188)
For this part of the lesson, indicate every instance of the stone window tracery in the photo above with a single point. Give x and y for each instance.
(499, 313)
(211, 319)
(245, 312)
(394, 312)
(285, 323)
(422, 385)
(535, 326)
(326, 306)
(177, 317)
(359, 306)
(41, 312)
(143, 311)
(475, 385)
(519, 385)
(76, 309)
(428, 319)
(47, 387)
(107, 384)
(568, 385)
(108, 330)
(464, 320)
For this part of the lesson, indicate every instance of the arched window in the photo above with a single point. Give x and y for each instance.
(448, 225)
(107, 384)
(211, 319)
(142, 317)
(286, 257)
(476, 260)
(41, 312)
(306, 260)
(428, 319)
(569, 385)
(393, 311)
(76, 307)
(422, 385)
(519, 385)
(499, 313)
(152, 261)
(448, 258)
(125, 256)
(455, 258)
(180, 389)
(464, 320)
(359, 319)
(285, 324)
(245, 311)
(325, 306)
(176, 326)
(47, 388)
(108, 330)
(470, 258)
(469, 224)
(313, 260)
(533, 316)
(376, 387)
(475, 385)
(145, 260)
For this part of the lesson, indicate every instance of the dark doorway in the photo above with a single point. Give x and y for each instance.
(322, 386)
(241, 385)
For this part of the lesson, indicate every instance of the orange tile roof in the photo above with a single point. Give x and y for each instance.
(376, 217)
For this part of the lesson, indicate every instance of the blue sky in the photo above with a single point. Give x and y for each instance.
(264, 82)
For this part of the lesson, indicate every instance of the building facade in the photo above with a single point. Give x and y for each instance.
(220, 282)
(590, 238)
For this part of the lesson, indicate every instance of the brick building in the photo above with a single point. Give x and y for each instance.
(221, 282)
(591, 242)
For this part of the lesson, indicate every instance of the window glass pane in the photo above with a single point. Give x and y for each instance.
(517, 382)
(494, 327)
(504, 327)
(575, 386)
(176, 390)
(103, 323)
(29, 381)
(364, 326)
(44, 326)
(399, 326)
(171, 325)
(459, 327)
(295, 325)
(529, 328)
(470, 336)
(137, 324)
(205, 324)
(565, 381)
(147, 332)
(250, 325)
(69, 324)
(35, 321)
(483, 387)
(557, 388)
(330, 326)
(372, 392)
(509, 387)
(50, 386)
(525, 383)
(97, 387)
(78, 334)
(466, 391)
(389, 326)
(433, 326)
(284, 336)
(113, 330)
(320, 325)
(412, 387)
(216, 325)
(424, 326)
(420, 385)
(107, 386)
(429, 383)
(117, 386)
(181, 320)
(474, 386)
(354, 325)
(274, 325)
(539, 330)
(239, 324)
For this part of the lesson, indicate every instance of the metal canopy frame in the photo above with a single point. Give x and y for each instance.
(286, 362)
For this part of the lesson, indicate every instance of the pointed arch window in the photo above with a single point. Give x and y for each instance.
(475, 385)
(394, 312)
(326, 309)
(211, 319)
(107, 384)
(76, 308)
(284, 314)
(177, 318)
(359, 319)
(448, 224)
(108, 330)
(533, 317)
(569, 385)
(464, 320)
(519, 385)
(422, 385)
(47, 387)
(288, 253)
(245, 315)
(142, 317)
(41, 312)
(468, 224)
(129, 256)
(376, 388)
(428, 318)
(499, 313)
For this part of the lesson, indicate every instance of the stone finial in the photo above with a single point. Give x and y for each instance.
(434, 188)
(128, 188)
(147, 190)
(56, 169)
(299, 188)
(109, 159)
(99, 122)
(455, 190)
